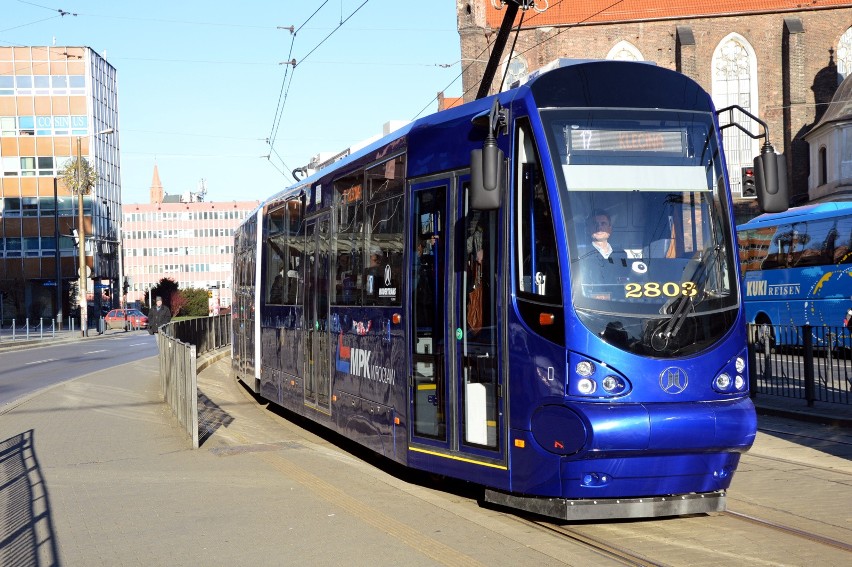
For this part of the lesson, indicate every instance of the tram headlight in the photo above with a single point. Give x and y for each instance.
(613, 385)
(740, 364)
(586, 386)
(585, 369)
(739, 382)
(723, 382)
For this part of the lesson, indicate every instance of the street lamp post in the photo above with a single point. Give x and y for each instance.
(81, 248)
(84, 305)
(58, 311)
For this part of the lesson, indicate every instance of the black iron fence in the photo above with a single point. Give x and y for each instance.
(811, 363)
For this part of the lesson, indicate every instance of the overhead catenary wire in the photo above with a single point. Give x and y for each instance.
(490, 44)
(283, 94)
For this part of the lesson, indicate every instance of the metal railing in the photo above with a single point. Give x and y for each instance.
(206, 333)
(811, 363)
(33, 329)
(180, 344)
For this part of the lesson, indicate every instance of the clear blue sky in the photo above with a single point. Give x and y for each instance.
(199, 81)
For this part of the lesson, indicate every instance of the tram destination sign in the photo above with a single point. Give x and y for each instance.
(670, 142)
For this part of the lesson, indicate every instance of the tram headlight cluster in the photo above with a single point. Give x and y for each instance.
(731, 379)
(594, 379)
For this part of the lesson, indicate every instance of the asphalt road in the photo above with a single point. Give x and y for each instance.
(25, 372)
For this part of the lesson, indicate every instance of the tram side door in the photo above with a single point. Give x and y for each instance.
(316, 308)
(455, 390)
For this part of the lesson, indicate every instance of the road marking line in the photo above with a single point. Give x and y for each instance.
(39, 361)
(95, 351)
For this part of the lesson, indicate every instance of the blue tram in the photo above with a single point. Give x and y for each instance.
(537, 291)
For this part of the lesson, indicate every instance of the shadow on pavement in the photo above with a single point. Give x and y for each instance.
(27, 535)
(210, 417)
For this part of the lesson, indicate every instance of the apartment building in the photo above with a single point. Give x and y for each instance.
(183, 238)
(56, 103)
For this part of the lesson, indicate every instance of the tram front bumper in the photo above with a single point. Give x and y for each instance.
(638, 450)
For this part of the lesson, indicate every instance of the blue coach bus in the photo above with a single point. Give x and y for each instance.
(438, 297)
(796, 268)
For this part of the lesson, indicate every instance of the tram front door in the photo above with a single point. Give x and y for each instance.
(455, 390)
(316, 330)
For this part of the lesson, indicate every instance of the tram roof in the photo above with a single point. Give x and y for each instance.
(597, 71)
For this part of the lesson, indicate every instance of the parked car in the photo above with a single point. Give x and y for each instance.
(125, 319)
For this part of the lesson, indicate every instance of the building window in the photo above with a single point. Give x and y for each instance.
(624, 51)
(823, 166)
(7, 125)
(26, 125)
(734, 82)
(844, 56)
(515, 70)
(11, 166)
(7, 85)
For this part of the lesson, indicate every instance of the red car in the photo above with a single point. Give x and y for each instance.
(126, 319)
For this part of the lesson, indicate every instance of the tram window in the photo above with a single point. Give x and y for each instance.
(349, 212)
(383, 253)
(283, 256)
(386, 179)
(539, 281)
(537, 263)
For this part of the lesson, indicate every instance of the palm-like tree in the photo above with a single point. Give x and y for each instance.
(79, 181)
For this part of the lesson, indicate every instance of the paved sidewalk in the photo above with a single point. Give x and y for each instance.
(96, 472)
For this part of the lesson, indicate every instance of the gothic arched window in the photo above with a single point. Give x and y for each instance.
(624, 51)
(517, 69)
(844, 56)
(734, 69)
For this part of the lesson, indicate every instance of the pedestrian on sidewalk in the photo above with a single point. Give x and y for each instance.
(158, 316)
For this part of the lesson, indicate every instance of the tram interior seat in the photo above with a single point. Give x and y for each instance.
(658, 248)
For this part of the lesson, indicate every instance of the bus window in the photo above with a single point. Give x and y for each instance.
(843, 252)
(819, 246)
(754, 247)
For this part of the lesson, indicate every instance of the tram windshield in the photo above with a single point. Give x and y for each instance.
(645, 208)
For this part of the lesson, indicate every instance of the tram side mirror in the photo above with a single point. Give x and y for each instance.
(487, 177)
(770, 177)
(487, 166)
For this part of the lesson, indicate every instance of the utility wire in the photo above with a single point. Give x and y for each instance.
(282, 96)
(340, 25)
(279, 113)
(29, 24)
(487, 47)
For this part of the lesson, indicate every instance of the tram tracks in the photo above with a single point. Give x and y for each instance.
(606, 549)
(627, 557)
(810, 536)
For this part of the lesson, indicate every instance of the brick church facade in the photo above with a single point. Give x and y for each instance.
(781, 60)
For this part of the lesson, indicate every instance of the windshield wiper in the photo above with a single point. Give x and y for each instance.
(684, 305)
(664, 333)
